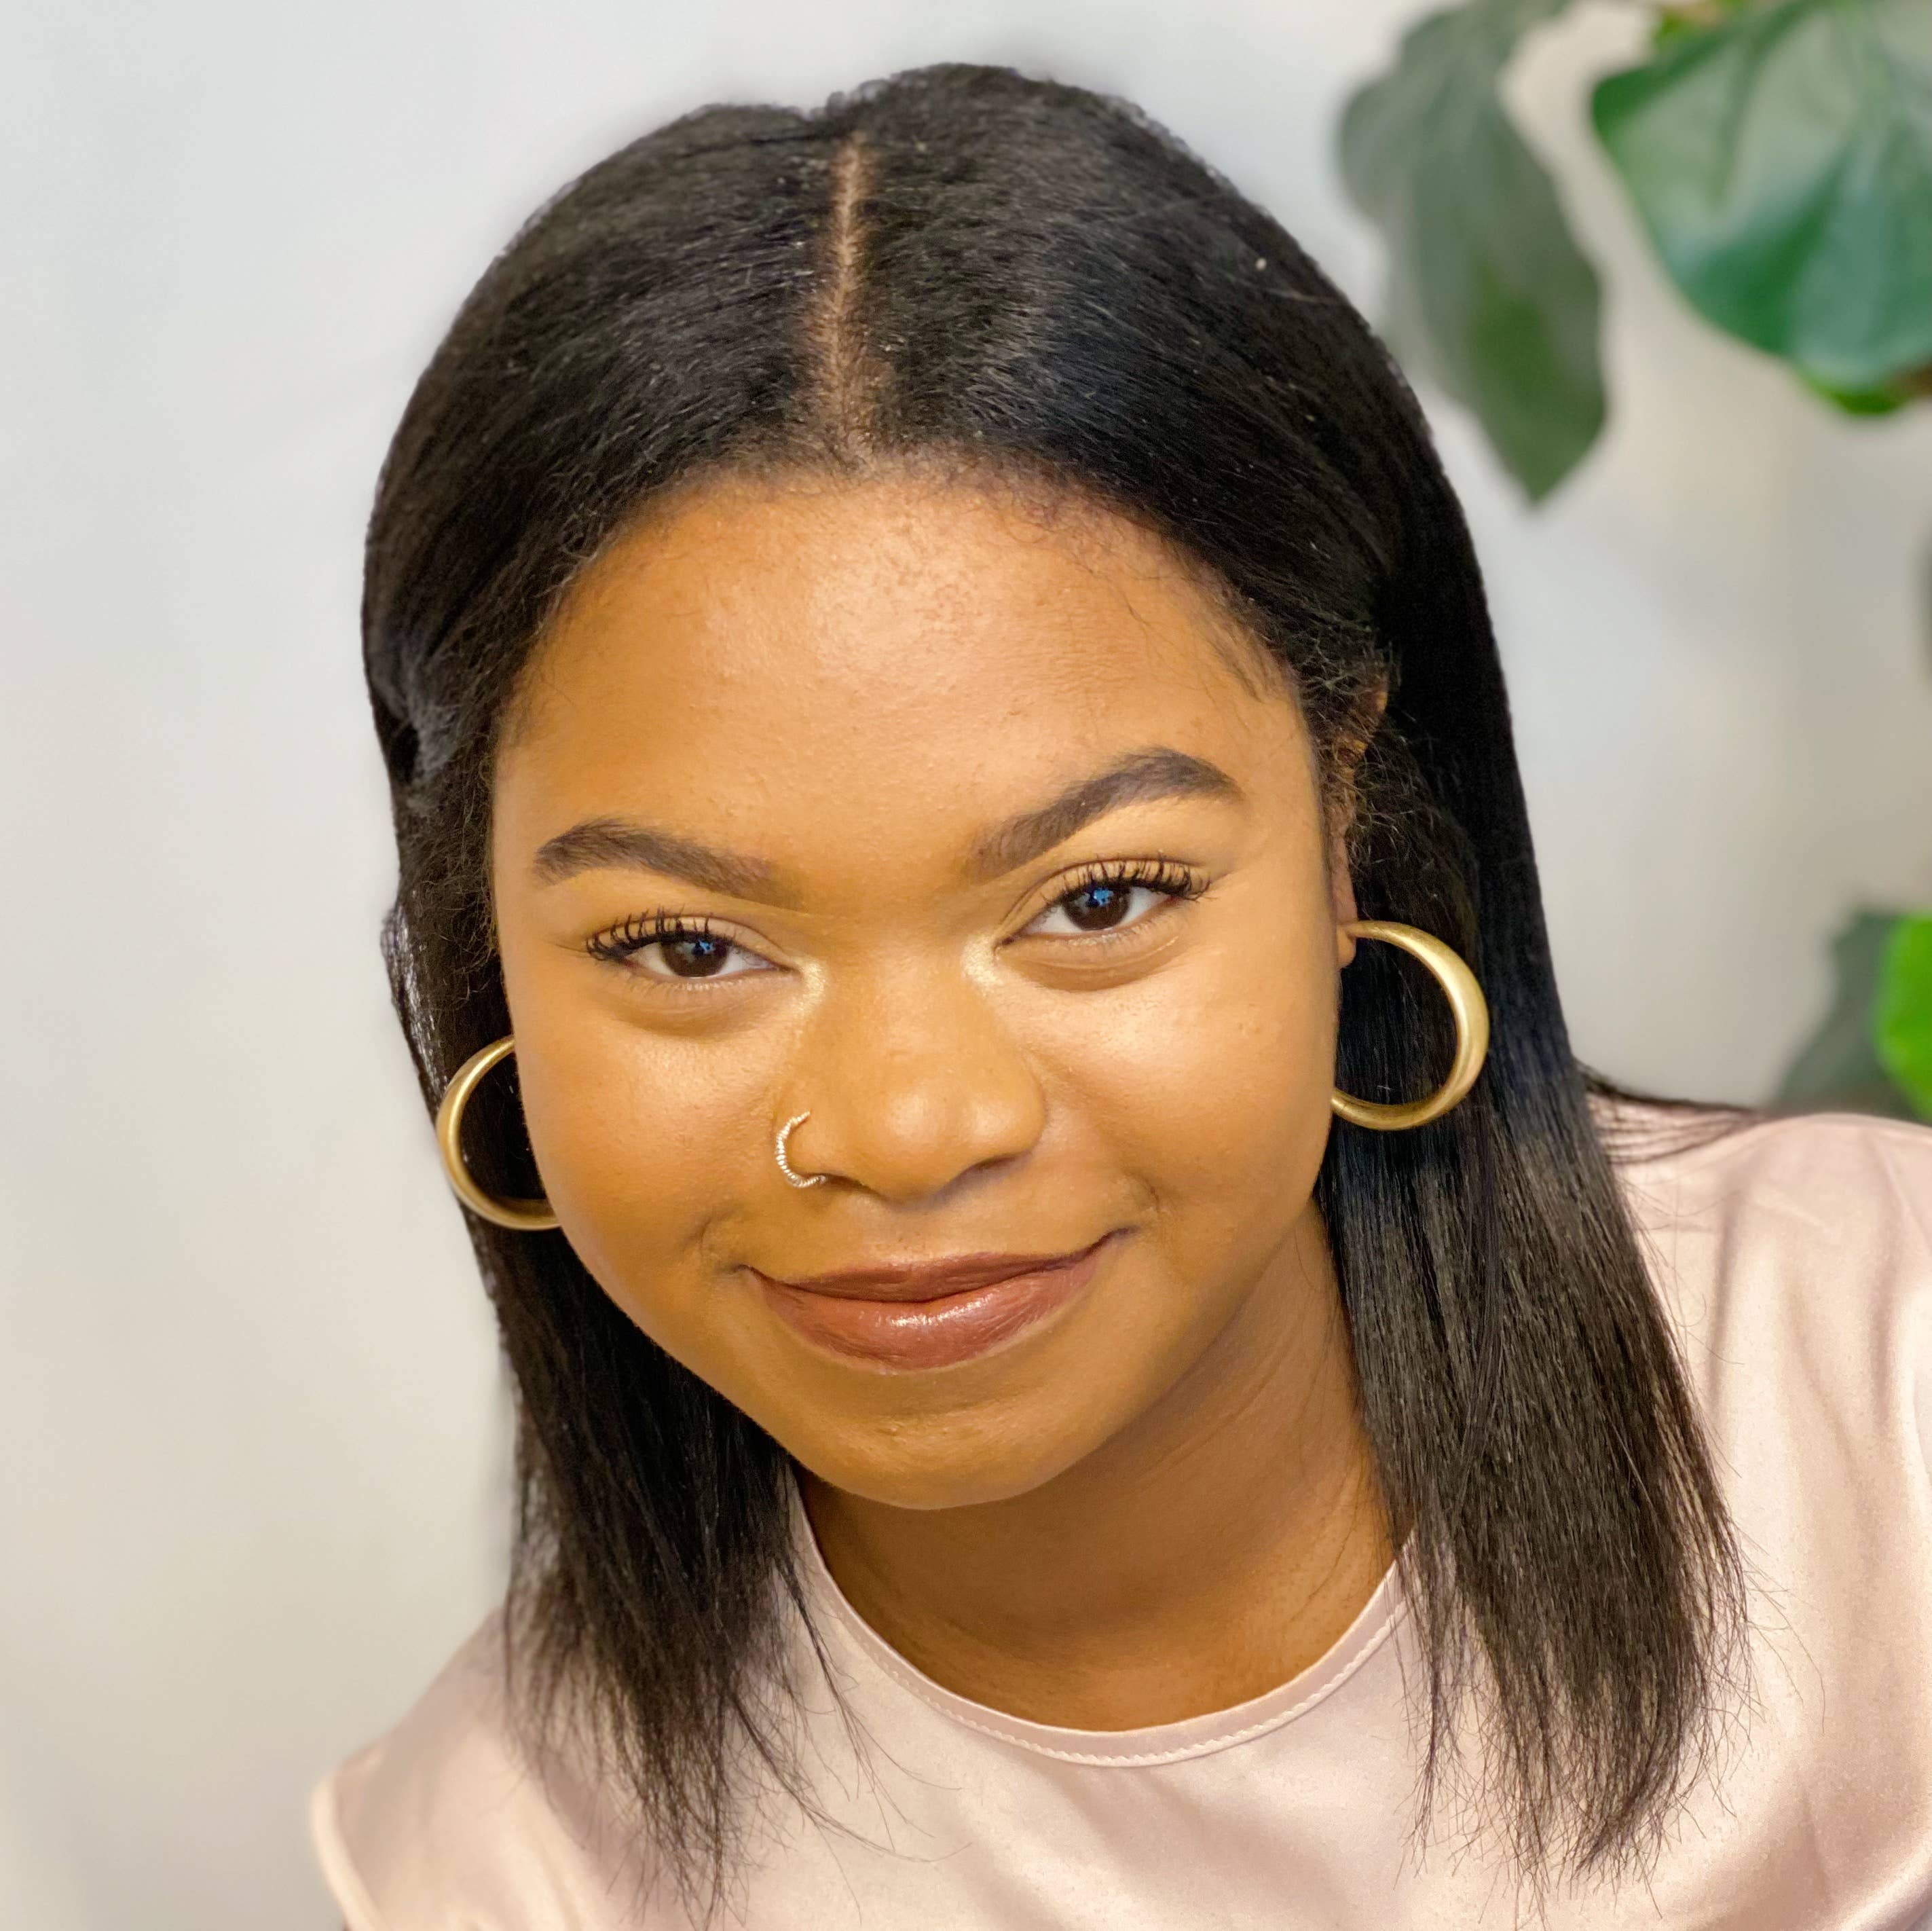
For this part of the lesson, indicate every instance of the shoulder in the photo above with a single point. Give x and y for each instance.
(1793, 1255)
(446, 1821)
(1851, 1178)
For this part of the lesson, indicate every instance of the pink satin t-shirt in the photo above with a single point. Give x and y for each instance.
(1794, 1259)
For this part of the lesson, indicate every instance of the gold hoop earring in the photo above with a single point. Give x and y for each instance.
(524, 1216)
(1471, 1012)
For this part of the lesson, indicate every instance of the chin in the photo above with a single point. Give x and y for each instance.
(938, 1465)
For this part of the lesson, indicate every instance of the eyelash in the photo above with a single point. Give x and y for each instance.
(1167, 876)
(1173, 880)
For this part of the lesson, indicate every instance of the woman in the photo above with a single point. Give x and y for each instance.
(1081, 1354)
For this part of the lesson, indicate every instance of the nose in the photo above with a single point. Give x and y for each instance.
(911, 1086)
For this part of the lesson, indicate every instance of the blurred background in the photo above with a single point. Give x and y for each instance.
(249, 1414)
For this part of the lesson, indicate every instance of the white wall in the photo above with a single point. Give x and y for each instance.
(252, 1432)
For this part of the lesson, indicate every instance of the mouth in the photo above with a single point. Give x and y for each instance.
(930, 1280)
(933, 1314)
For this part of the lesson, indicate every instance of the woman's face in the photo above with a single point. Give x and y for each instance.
(977, 836)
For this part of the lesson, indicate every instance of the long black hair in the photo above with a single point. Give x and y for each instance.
(961, 265)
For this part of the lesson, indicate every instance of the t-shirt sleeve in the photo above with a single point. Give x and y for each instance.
(1795, 1255)
(1897, 1245)
(332, 1854)
(444, 1825)
(1909, 1156)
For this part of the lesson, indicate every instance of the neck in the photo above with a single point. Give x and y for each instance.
(1207, 1554)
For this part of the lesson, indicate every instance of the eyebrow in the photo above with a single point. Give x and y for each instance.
(1158, 771)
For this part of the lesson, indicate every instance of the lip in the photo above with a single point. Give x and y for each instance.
(930, 1280)
(933, 1315)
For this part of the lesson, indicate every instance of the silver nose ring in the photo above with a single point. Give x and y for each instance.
(784, 1165)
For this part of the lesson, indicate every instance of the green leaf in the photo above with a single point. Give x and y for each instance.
(1680, 23)
(1488, 296)
(1781, 159)
(1840, 1066)
(1857, 401)
(1902, 1018)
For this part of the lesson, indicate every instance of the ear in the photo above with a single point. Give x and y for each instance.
(1341, 899)
(1352, 743)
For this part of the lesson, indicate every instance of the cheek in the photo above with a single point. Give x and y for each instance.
(647, 1143)
(1211, 1082)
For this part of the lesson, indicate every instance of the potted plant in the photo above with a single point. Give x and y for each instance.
(1779, 156)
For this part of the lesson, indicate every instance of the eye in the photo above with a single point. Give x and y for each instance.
(1108, 898)
(668, 948)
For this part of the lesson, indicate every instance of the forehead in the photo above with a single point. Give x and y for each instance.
(891, 636)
